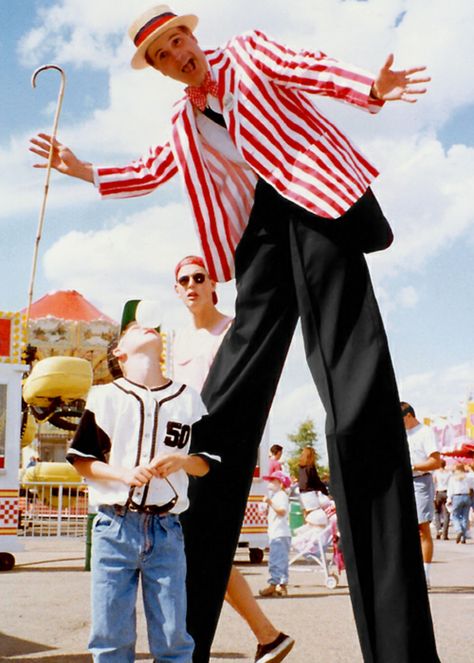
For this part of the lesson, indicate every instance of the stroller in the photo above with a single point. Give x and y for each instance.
(318, 541)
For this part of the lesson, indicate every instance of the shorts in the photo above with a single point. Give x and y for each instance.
(424, 497)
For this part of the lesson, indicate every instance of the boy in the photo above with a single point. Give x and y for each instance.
(279, 534)
(132, 445)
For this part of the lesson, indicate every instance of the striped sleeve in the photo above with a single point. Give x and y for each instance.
(309, 71)
(139, 177)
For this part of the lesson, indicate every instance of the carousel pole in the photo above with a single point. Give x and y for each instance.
(48, 173)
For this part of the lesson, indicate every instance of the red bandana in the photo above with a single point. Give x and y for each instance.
(198, 95)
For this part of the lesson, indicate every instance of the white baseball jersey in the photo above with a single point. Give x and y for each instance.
(126, 424)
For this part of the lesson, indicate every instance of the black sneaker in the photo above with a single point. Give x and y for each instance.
(275, 651)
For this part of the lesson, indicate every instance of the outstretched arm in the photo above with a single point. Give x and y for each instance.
(391, 85)
(136, 179)
(63, 159)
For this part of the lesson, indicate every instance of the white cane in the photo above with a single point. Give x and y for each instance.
(48, 172)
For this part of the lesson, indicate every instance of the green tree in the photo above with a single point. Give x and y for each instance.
(305, 436)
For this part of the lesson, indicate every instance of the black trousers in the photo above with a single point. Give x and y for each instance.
(289, 265)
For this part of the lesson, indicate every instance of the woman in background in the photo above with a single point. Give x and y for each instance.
(309, 481)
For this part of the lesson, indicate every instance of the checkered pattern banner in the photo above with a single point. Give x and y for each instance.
(255, 519)
(8, 511)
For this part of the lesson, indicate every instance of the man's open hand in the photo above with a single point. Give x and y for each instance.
(391, 85)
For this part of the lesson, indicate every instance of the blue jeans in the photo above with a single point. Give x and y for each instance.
(278, 560)
(124, 548)
(460, 513)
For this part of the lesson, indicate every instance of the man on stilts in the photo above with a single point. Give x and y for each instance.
(275, 185)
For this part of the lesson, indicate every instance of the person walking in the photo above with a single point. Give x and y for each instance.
(425, 458)
(281, 199)
(441, 513)
(460, 490)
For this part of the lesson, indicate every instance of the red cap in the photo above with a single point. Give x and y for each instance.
(194, 260)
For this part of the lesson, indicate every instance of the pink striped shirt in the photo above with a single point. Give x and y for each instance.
(264, 92)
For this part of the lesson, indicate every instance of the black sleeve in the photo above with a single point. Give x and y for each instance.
(315, 481)
(308, 479)
(89, 440)
(303, 479)
(203, 439)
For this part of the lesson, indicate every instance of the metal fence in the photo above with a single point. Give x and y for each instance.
(47, 509)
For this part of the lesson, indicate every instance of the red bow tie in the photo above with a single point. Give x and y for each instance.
(198, 95)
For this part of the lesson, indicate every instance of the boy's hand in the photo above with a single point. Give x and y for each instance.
(162, 466)
(136, 476)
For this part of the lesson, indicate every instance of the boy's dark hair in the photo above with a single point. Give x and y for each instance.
(407, 409)
(112, 361)
(275, 448)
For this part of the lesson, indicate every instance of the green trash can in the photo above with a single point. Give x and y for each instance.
(296, 515)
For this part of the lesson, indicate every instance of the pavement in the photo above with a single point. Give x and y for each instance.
(44, 608)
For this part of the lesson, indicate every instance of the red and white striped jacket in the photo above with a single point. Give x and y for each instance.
(264, 91)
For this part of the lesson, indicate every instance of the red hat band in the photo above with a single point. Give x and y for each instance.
(151, 26)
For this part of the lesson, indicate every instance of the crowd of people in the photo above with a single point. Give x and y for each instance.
(454, 500)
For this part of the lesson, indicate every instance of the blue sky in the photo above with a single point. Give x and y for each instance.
(115, 249)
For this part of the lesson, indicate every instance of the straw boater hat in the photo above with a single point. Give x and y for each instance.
(150, 25)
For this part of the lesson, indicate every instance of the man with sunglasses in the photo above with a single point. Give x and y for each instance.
(132, 445)
(194, 350)
(196, 345)
(281, 199)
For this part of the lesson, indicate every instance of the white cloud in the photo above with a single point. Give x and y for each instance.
(132, 122)
(126, 259)
(129, 259)
(408, 297)
(22, 188)
(80, 32)
(424, 194)
(439, 392)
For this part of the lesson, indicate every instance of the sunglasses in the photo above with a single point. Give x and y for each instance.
(198, 278)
